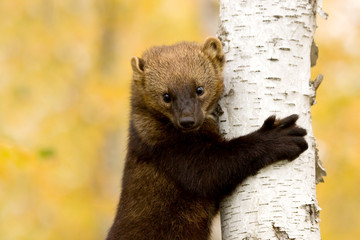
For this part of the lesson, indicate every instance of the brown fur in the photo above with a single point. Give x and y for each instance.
(176, 174)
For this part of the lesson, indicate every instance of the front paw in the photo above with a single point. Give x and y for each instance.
(284, 139)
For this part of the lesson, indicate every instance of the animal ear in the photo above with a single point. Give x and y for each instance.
(137, 65)
(213, 49)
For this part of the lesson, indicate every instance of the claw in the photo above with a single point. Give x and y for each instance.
(288, 121)
(269, 122)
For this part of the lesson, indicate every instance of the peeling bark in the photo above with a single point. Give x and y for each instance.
(314, 53)
(268, 59)
(315, 85)
(320, 170)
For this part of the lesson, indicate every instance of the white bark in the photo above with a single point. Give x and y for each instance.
(267, 47)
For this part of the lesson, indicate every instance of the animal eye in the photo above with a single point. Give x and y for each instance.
(166, 98)
(200, 91)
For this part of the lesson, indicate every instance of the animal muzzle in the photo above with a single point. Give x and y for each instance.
(187, 122)
(187, 114)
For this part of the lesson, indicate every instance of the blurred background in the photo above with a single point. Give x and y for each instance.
(64, 104)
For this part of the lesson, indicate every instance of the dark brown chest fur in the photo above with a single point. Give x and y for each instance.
(152, 206)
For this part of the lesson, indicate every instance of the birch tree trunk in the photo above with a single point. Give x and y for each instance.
(267, 46)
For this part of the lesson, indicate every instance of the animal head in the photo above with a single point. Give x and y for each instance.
(181, 82)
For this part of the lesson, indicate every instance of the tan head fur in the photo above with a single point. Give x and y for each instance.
(181, 82)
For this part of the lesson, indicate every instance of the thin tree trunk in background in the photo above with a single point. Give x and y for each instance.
(208, 16)
(107, 10)
(267, 46)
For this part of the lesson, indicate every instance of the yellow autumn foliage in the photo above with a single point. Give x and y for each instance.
(64, 103)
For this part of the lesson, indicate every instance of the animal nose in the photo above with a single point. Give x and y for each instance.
(187, 122)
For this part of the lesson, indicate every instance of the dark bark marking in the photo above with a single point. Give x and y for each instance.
(281, 235)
